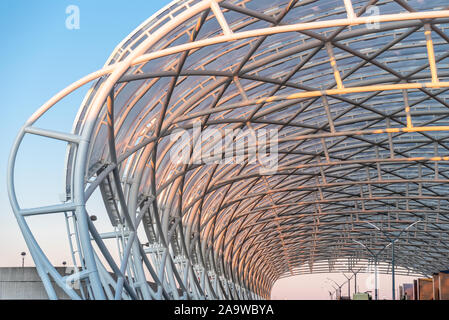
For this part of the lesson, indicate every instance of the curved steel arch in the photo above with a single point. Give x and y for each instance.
(359, 104)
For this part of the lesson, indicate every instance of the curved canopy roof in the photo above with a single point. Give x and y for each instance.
(360, 108)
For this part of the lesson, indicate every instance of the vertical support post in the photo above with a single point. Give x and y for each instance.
(376, 297)
(392, 272)
(349, 288)
(83, 228)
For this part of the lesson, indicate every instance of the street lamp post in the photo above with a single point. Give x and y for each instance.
(374, 255)
(375, 278)
(333, 287)
(23, 254)
(335, 290)
(338, 289)
(393, 284)
(392, 242)
(355, 278)
(349, 284)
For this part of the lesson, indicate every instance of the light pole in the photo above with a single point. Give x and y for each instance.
(375, 263)
(23, 254)
(349, 284)
(338, 288)
(355, 278)
(331, 294)
(392, 241)
(336, 291)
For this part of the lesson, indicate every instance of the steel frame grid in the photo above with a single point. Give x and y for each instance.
(309, 210)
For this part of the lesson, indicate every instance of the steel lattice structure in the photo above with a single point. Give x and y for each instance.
(358, 93)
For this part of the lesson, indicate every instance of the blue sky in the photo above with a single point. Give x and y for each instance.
(39, 57)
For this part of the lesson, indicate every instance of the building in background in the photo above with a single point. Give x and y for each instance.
(24, 283)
